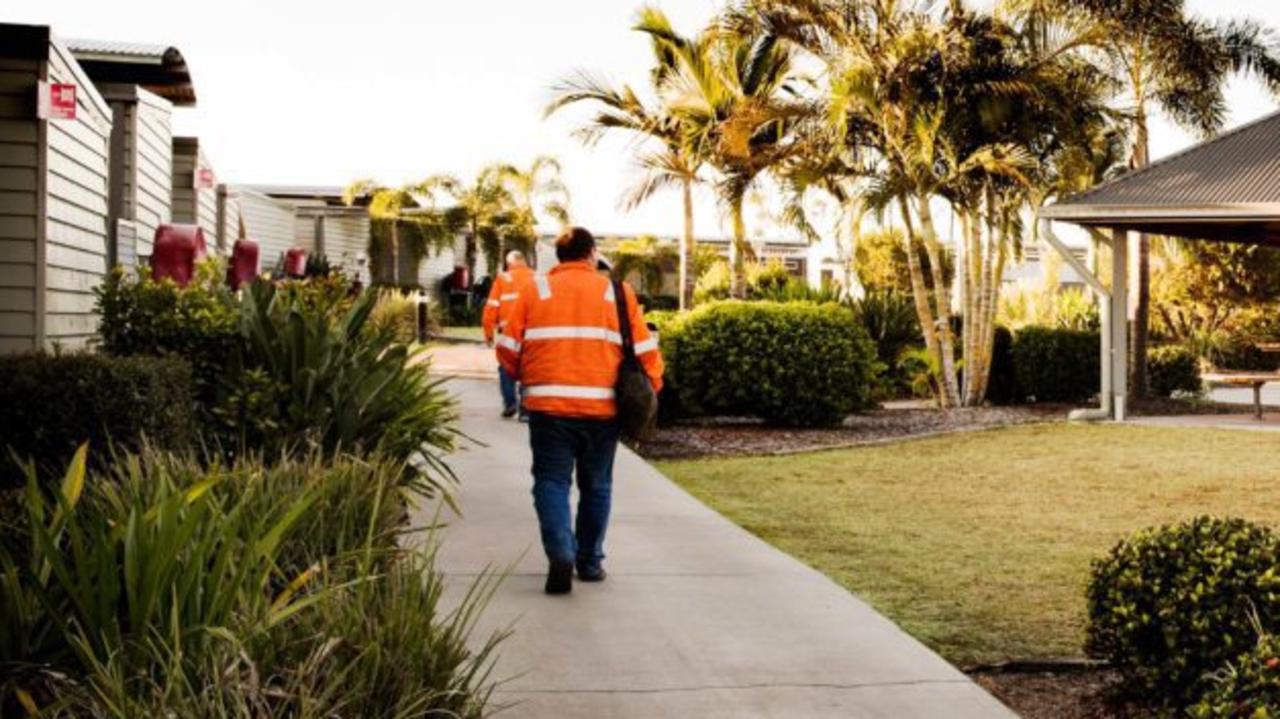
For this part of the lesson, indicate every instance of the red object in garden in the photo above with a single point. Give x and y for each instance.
(295, 262)
(460, 280)
(176, 250)
(244, 264)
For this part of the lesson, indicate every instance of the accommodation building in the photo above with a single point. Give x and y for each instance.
(54, 209)
(142, 84)
(194, 188)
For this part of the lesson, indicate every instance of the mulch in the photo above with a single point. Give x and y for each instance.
(736, 437)
(895, 421)
(1067, 692)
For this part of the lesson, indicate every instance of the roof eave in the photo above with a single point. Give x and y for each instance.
(1125, 214)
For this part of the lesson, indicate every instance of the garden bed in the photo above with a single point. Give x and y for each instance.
(1056, 693)
(729, 437)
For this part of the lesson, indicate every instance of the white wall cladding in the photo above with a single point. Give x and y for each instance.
(346, 240)
(192, 205)
(267, 221)
(153, 171)
(144, 183)
(434, 269)
(19, 202)
(76, 212)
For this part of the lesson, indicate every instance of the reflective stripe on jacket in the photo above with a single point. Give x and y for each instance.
(502, 297)
(563, 342)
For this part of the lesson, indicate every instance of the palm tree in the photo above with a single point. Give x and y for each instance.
(674, 165)
(1161, 58)
(738, 104)
(484, 212)
(926, 108)
(646, 257)
(536, 191)
(386, 208)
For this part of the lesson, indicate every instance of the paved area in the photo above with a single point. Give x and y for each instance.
(697, 619)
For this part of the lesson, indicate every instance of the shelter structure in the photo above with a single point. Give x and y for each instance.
(1224, 190)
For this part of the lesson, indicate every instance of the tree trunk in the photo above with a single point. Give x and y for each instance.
(855, 237)
(972, 276)
(395, 253)
(737, 260)
(942, 300)
(687, 280)
(1142, 301)
(920, 292)
(471, 251)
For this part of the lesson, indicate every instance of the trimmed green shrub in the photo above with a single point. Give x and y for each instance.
(1173, 370)
(1002, 385)
(51, 404)
(796, 364)
(659, 303)
(1056, 365)
(1170, 604)
(160, 319)
(1248, 688)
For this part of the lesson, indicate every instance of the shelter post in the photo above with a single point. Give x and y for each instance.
(1119, 325)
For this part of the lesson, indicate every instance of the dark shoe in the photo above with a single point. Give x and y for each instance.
(508, 412)
(524, 417)
(592, 575)
(560, 578)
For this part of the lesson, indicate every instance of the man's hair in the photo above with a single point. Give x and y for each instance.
(575, 243)
(515, 257)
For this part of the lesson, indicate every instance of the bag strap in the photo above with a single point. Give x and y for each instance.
(624, 321)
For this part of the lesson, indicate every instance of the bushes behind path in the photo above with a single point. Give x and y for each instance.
(50, 404)
(1056, 365)
(287, 366)
(791, 364)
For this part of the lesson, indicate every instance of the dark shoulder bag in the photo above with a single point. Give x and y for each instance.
(637, 402)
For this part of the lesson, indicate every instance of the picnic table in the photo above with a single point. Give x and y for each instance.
(1245, 379)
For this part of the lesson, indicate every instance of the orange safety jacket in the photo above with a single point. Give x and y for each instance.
(501, 299)
(563, 343)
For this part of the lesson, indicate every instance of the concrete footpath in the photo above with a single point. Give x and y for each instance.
(698, 618)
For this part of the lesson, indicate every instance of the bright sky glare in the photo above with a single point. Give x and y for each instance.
(321, 93)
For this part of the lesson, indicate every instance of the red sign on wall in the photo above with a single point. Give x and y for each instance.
(56, 101)
(204, 179)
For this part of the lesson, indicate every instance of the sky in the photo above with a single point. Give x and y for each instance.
(323, 93)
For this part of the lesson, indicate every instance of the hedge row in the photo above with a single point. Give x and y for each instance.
(791, 364)
(1046, 364)
(50, 404)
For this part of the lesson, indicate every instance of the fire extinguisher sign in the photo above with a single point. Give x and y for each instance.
(56, 101)
(204, 179)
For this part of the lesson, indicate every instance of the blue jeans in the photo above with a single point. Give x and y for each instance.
(510, 397)
(561, 445)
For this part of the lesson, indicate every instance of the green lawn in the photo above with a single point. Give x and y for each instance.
(474, 334)
(979, 544)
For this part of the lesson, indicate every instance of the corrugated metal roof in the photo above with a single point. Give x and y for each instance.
(160, 69)
(142, 51)
(1240, 167)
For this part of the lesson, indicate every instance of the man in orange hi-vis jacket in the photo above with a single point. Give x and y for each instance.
(496, 312)
(563, 343)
